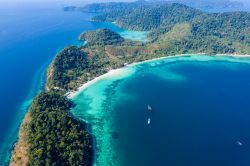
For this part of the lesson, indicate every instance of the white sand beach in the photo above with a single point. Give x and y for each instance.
(120, 71)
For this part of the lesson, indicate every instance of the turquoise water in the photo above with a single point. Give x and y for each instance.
(133, 35)
(30, 36)
(200, 113)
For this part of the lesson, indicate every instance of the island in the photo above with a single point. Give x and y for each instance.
(50, 135)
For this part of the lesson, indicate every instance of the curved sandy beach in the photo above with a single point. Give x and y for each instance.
(121, 71)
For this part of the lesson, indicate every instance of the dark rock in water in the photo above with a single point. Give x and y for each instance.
(115, 135)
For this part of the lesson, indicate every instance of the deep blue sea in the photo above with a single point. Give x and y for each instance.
(199, 115)
(30, 36)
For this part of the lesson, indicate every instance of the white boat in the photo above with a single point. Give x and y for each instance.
(239, 143)
(149, 121)
(150, 108)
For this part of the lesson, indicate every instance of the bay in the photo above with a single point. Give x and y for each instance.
(200, 113)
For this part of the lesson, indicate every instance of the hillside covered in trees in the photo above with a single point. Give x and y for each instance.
(104, 50)
(163, 17)
(173, 29)
(206, 5)
(229, 29)
(145, 18)
(110, 6)
(53, 136)
(101, 37)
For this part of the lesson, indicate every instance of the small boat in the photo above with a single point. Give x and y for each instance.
(239, 143)
(149, 121)
(150, 108)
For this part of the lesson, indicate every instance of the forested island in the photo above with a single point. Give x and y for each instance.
(173, 29)
(50, 135)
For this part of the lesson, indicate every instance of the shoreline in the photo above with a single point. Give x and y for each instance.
(111, 72)
(102, 150)
(119, 71)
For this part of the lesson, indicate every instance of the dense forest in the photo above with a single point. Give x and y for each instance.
(74, 65)
(110, 6)
(68, 64)
(229, 30)
(206, 5)
(231, 25)
(150, 17)
(101, 37)
(54, 137)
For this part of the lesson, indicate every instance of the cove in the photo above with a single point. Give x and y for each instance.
(200, 113)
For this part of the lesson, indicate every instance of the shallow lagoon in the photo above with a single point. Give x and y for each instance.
(200, 113)
(132, 35)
